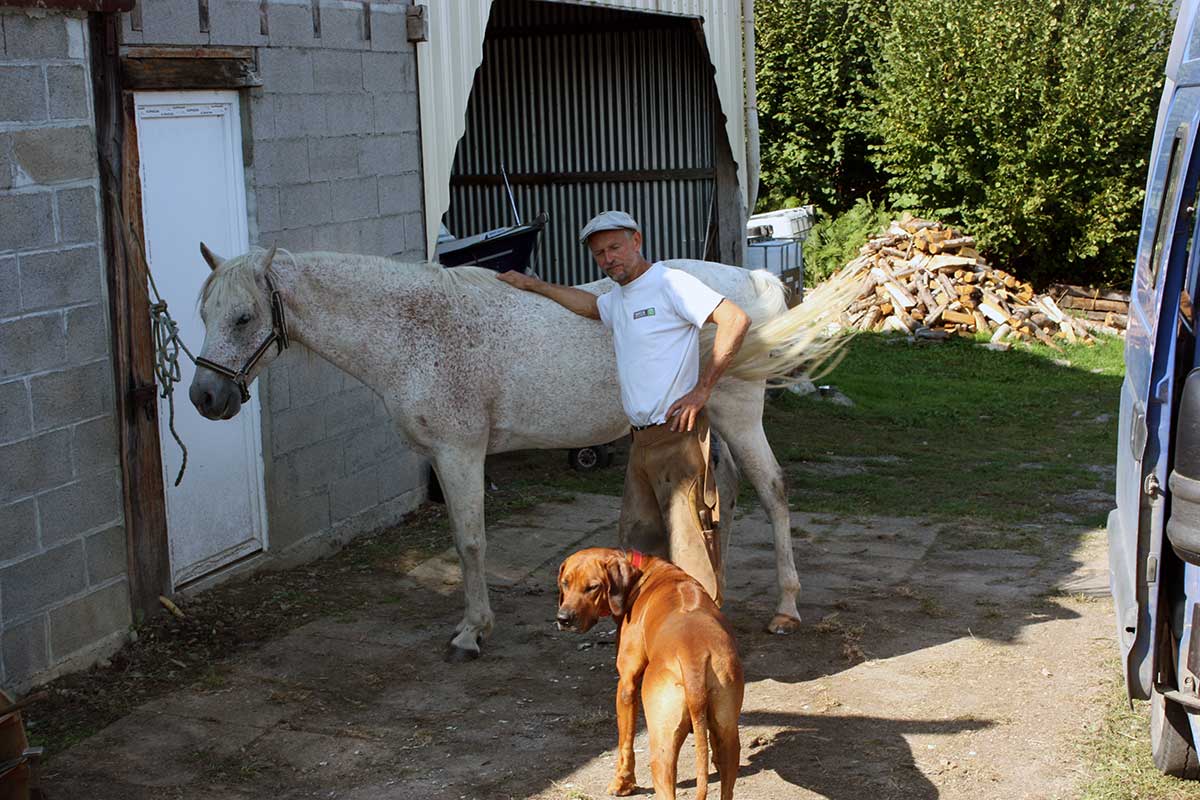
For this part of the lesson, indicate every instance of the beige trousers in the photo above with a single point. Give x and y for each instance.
(670, 506)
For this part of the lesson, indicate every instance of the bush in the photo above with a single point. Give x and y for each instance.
(814, 73)
(833, 242)
(1026, 122)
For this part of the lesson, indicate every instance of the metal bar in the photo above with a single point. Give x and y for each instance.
(566, 178)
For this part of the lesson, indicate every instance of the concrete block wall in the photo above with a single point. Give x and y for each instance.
(334, 164)
(63, 590)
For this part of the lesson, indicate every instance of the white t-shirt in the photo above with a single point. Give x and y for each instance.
(656, 321)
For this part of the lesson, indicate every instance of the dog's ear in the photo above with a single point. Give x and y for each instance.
(621, 577)
(558, 582)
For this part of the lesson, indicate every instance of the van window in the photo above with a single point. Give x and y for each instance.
(1170, 202)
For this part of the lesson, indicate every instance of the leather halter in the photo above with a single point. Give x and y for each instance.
(278, 337)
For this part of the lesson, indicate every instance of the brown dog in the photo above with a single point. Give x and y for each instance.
(674, 643)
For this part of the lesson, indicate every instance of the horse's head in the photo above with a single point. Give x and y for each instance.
(241, 332)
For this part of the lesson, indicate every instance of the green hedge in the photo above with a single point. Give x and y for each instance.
(1026, 122)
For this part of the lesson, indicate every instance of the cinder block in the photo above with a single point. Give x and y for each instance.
(342, 28)
(22, 94)
(291, 25)
(335, 157)
(18, 529)
(89, 619)
(286, 70)
(16, 417)
(28, 220)
(53, 155)
(262, 115)
(389, 29)
(382, 155)
(394, 241)
(278, 388)
(299, 115)
(313, 378)
(70, 510)
(30, 344)
(299, 240)
(60, 278)
(353, 494)
(68, 92)
(304, 204)
(414, 232)
(70, 395)
(300, 427)
(400, 473)
(397, 112)
(350, 410)
(105, 554)
(30, 37)
(410, 152)
(87, 334)
(173, 22)
(10, 286)
(297, 518)
(235, 22)
(265, 209)
(350, 113)
(42, 580)
(37, 463)
(312, 468)
(358, 236)
(77, 215)
(281, 161)
(400, 194)
(389, 72)
(337, 71)
(370, 447)
(355, 199)
(95, 444)
(26, 649)
(6, 176)
(128, 34)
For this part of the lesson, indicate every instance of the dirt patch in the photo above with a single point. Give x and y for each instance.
(927, 666)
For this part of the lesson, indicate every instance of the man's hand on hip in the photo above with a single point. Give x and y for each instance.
(682, 414)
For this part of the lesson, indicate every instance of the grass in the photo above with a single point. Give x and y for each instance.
(952, 430)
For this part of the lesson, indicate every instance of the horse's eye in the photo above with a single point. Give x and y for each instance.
(595, 587)
(244, 319)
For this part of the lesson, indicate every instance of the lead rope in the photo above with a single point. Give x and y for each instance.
(164, 329)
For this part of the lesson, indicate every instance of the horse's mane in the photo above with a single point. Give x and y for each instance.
(235, 278)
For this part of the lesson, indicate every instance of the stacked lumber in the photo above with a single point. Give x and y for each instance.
(1109, 308)
(926, 279)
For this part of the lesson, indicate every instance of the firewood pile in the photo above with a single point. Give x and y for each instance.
(927, 280)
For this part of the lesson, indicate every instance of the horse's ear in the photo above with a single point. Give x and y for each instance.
(212, 258)
(622, 575)
(266, 264)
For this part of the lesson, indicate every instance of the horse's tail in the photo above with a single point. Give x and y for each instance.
(770, 295)
(783, 348)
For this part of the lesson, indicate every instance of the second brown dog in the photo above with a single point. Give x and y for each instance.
(674, 644)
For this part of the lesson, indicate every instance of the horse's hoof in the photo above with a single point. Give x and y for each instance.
(782, 624)
(459, 655)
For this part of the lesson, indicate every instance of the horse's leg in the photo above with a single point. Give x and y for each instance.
(737, 414)
(460, 472)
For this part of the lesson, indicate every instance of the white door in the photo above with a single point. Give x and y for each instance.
(190, 151)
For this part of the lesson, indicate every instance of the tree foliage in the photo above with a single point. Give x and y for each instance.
(834, 241)
(814, 73)
(1027, 122)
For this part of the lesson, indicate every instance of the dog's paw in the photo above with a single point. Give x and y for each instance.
(621, 787)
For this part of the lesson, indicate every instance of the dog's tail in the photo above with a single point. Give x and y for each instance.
(695, 691)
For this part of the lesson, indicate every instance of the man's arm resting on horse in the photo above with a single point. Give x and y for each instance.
(732, 324)
(577, 300)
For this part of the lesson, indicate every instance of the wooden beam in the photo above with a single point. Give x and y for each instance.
(143, 495)
(104, 6)
(185, 51)
(188, 73)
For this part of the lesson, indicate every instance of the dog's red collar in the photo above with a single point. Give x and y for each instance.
(636, 558)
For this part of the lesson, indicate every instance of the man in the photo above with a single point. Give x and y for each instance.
(655, 313)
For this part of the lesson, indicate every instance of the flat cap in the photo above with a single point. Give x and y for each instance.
(608, 221)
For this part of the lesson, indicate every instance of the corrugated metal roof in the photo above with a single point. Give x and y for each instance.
(448, 61)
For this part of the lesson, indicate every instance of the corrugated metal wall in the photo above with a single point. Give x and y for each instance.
(589, 108)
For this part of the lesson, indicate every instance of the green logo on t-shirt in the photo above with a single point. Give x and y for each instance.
(645, 312)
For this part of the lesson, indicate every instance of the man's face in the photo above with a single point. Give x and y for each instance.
(617, 253)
